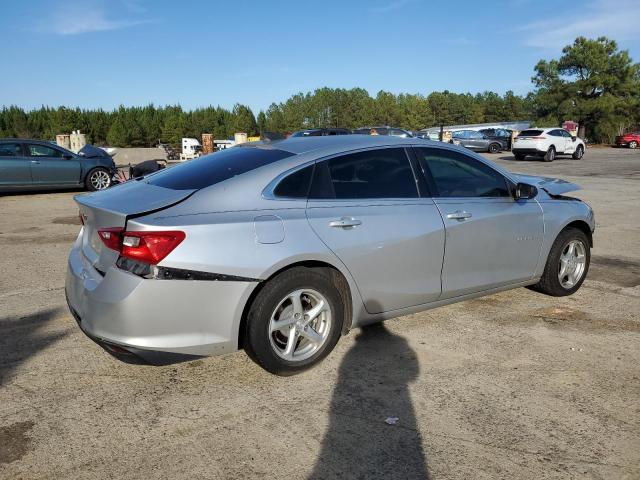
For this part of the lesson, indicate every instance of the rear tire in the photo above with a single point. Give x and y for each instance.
(494, 148)
(98, 179)
(314, 334)
(577, 155)
(633, 144)
(519, 156)
(550, 155)
(551, 282)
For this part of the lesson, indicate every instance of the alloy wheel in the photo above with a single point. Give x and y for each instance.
(633, 144)
(573, 261)
(300, 325)
(100, 180)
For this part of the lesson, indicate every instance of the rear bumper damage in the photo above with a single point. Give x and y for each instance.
(151, 318)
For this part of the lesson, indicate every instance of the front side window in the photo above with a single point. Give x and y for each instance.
(215, 168)
(43, 151)
(384, 173)
(10, 150)
(457, 175)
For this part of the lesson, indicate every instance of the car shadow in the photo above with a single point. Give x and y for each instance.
(372, 430)
(22, 338)
(17, 193)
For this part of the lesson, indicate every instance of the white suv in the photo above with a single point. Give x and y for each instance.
(547, 143)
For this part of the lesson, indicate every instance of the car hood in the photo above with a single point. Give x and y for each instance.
(553, 186)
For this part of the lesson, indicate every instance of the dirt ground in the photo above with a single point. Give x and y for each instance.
(516, 385)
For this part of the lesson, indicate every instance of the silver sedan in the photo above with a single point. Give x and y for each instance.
(280, 248)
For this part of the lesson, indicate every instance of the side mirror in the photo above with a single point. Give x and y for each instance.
(574, 138)
(524, 191)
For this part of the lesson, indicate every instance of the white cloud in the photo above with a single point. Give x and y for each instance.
(618, 20)
(395, 5)
(74, 18)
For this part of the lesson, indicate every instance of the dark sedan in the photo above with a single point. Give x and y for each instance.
(502, 135)
(476, 141)
(38, 165)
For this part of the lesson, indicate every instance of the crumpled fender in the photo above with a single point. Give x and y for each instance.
(553, 186)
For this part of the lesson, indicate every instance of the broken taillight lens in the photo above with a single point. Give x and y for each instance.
(147, 247)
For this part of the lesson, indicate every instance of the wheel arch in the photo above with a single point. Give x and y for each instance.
(339, 277)
(580, 225)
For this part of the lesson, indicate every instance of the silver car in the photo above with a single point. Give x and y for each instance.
(280, 248)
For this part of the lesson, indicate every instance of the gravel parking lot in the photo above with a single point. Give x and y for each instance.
(514, 385)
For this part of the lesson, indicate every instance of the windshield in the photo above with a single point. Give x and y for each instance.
(215, 168)
(530, 133)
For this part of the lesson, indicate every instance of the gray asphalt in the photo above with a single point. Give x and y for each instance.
(514, 385)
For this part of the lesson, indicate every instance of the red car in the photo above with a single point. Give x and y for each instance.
(631, 140)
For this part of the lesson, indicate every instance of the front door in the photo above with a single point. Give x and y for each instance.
(50, 166)
(365, 207)
(15, 167)
(491, 239)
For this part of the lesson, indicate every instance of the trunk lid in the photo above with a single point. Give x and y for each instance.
(553, 186)
(112, 208)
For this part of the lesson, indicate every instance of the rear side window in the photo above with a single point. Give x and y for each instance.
(457, 175)
(530, 133)
(10, 150)
(295, 185)
(215, 168)
(383, 173)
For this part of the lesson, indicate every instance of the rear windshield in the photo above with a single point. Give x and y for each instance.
(215, 168)
(530, 133)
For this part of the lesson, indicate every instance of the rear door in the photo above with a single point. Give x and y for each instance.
(15, 167)
(52, 166)
(491, 239)
(366, 208)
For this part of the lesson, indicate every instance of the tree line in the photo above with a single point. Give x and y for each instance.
(593, 83)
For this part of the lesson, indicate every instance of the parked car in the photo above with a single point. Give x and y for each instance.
(502, 135)
(384, 130)
(547, 143)
(435, 136)
(33, 164)
(280, 248)
(321, 132)
(476, 141)
(631, 140)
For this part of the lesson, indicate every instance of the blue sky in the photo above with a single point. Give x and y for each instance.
(103, 53)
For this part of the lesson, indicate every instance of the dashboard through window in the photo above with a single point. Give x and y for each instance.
(457, 175)
(382, 173)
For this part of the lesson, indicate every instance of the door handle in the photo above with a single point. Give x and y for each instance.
(459, 215)
(35, 161)
(345, 222)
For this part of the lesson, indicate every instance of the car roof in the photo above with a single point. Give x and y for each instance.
(29, 140)
(300, 145)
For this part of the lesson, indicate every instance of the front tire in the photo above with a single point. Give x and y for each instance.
(633, 144)
(294, 321)
(577, 155)
(550, 155)
(567, 264)
(98, 179)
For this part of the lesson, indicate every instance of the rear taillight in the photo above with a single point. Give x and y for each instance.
(111, 237)
(146, 247)
(81, 217)
(150, 247)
